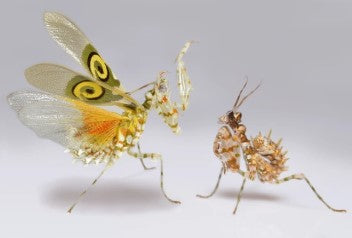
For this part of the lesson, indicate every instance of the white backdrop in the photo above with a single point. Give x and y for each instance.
(300, 50)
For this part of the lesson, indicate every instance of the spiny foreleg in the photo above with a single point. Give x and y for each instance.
(183, 80)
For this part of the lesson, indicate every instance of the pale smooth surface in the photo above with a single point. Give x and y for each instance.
(301, 51)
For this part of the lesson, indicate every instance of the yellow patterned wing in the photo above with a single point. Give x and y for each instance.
(75, 43)
(59, 80)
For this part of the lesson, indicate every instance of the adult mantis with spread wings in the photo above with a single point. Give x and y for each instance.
(68, 113)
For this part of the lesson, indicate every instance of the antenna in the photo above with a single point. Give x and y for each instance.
(240, 101)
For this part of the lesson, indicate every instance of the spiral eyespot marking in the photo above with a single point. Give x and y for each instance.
(98, 67)
(88, 90)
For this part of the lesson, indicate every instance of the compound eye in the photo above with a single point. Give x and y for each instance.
(224, 119)
(238, 116)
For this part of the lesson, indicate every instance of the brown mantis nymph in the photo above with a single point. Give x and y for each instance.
(263, 157)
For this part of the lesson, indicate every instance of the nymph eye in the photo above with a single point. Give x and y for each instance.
(238, 116)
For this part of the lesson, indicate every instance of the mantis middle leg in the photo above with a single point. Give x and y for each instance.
(158, 157)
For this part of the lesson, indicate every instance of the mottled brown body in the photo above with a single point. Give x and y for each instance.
(263, 157)
(227, 149)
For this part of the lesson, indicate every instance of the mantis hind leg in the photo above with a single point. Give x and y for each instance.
(302, 176)
(86, 190)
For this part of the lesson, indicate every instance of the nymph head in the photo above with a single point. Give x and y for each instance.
(233, 117)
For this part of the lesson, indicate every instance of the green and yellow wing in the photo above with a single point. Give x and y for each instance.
(62, 81)
(91, 90)
(75, 43)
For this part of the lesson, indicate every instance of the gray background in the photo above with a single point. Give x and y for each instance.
(300, 50)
